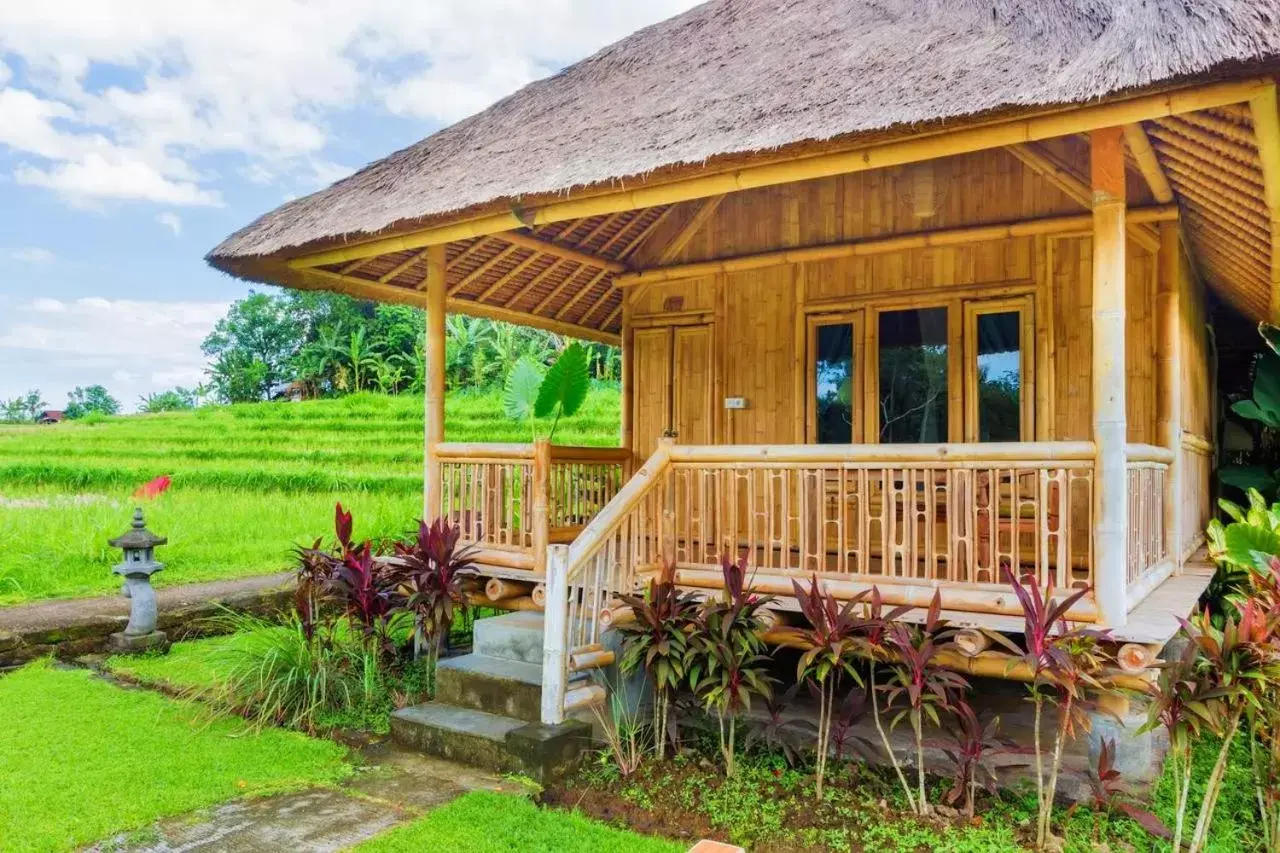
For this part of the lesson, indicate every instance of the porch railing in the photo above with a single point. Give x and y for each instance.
(513, 500)
(909, 520)
(1195, 506)
(1146, 473)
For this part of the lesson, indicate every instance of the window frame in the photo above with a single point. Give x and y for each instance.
(1024, 306)
(857, 320)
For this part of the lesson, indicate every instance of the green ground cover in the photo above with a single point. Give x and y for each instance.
(82, 759)
(485, 822)
(249, 482)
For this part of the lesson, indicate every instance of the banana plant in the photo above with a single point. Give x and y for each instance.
(1262, 407)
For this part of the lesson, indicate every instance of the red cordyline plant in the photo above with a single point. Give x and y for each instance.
(432, 569)
(1240, 658)
(728, 665)
(876, 624)
(1065, 663)
(1110, 795)
(972, 741)
(830, 644)
(658, 643)
(365, 592)
(317, 568)
(1185, 703)
(920, 684)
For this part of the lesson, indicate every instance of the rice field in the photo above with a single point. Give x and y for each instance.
(249, 482)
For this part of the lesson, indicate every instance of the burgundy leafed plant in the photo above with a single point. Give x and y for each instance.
(432, 568)
(829, 643)
(1065, 662)
(875, 640)
(1109, 794)
(973, 740)
(363, 591)
(918, 681)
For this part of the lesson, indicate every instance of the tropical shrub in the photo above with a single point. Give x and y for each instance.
(432, 569)
(658, 644)
(531, 395)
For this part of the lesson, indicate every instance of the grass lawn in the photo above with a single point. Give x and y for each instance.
(249, 482)
(82, 759)
(485, 822)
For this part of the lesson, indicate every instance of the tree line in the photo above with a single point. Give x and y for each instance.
(315, 344)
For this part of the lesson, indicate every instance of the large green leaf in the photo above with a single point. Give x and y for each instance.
(1270, 334)
(565, 387)
(520, 392)
(1242, 540)
(1246, 477)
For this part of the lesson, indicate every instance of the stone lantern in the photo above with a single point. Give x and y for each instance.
(139, 564)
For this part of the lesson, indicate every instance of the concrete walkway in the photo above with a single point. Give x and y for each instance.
(395, 786)
(76, 626)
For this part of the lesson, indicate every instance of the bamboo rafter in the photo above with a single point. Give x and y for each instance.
(695, 224)
(1148, 164)
(882, 245)
(1065, 178)
(515, 273)
(583, 291)
(647, 233)
(482, 270)
(1266, 131)
(569, 253)
(942, 143)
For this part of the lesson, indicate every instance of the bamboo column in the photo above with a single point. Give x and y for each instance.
(541, 484)
(437, 292)
(1169, 293)
(1110, 490)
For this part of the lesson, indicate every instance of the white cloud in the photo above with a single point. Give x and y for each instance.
(170, 220)
(32, 255)
(260, 80)
(133, 347)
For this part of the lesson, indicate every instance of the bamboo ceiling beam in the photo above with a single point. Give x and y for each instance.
(356, 264)
(613, 316)
(1140, 147)
(567, 252)
(590, 309)
(699, 220)
(582, 291)
(1064, 178)
(449, 266)
(558, 289)
(881, 245)
(1266, 131)
(483, 269)
(503, 280)
(361, 288)
(399, 268)
(647, 232)
(943, 143)
(612, 241)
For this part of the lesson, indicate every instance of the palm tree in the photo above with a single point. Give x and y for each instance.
(358, 356)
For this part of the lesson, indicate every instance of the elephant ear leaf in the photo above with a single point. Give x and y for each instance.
(1243, 541)
(565, 388)
(1270, 334)
(520, 393)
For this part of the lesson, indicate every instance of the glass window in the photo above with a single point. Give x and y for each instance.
(833, 383)
(999, 377)
(913, 376)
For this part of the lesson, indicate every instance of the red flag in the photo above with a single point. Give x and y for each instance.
(153, 489)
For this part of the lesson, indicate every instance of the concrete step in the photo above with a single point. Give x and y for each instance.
(512, 636)
(491, 741)
(494, 685)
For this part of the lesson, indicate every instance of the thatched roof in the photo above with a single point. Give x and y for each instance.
(737, 76)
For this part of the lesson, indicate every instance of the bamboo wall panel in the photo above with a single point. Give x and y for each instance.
(1071, 278)
(1195, 493)
(759, 356)
(1197, 388)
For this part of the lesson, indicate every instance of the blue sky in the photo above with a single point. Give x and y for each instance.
(135, 134)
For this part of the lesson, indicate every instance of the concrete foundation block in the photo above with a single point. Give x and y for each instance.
(133, 644)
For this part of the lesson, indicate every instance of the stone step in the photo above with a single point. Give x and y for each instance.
(491, 741)
(512, 636)
(494, 685)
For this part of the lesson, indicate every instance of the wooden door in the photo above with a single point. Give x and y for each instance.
(651, 408)
(673, 386)
(691, 418)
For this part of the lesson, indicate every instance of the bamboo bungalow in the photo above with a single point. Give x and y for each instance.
(908, 293)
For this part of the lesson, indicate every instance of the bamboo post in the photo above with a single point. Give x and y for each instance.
(1169, 384)
(437, 295)
(1110, 427)
(541, 508)
(556, 635)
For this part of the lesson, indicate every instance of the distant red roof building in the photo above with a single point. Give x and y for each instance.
(51, 416)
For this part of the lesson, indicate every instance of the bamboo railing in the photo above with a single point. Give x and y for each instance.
(513, 500)
(908, 519)
(1194, 498)
(1149, 563)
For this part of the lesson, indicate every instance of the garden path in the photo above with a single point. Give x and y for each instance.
(395, 786)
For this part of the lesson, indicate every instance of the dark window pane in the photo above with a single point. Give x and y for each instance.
(913, 376)
(833, 372)
(999, 377)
